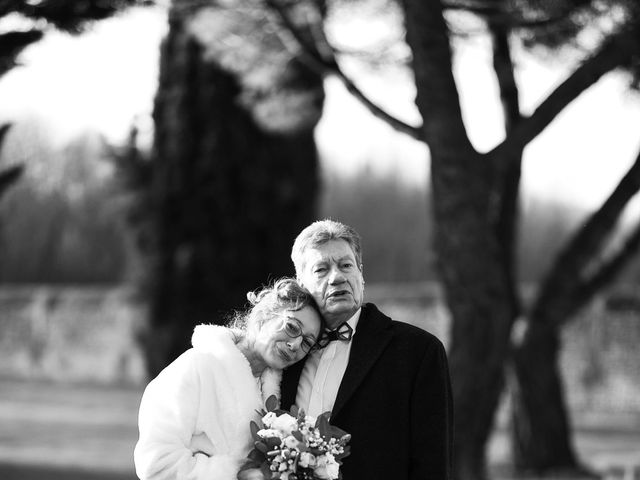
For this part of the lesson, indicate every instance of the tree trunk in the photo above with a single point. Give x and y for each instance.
(233, 180)
(8, 177)
(470, 258)
(532, 417)
(541, 433)
(508, 168)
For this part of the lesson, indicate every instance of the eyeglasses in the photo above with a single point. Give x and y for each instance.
(294, 330)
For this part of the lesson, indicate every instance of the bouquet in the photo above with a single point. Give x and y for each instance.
(295, 446)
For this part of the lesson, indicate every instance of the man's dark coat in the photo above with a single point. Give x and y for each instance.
(395, 400)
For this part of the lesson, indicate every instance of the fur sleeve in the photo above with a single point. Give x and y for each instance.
(167, 420)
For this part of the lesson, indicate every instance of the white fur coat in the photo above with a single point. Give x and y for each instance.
(194, 416)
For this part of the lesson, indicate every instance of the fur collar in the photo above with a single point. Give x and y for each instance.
(221, 342)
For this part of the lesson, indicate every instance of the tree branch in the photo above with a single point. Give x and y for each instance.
(508, 168)
(610, 268)
(616, 51)
(8, 177)
(73, 16)
(502, 16)
(561, 290)
(327, 63)
(4, 129)
(12, 43)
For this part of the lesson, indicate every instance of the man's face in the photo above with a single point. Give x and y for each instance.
(334, 279)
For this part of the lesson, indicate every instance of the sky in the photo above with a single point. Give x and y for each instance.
(106, 78)
(103, 79)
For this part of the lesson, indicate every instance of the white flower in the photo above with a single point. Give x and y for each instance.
(333, 469)
(291, 442)
(326, 467)
(307, 460)
(285, 423)
(268, 419)
(269, 432)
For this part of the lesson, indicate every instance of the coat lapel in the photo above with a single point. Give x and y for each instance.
(371, 337)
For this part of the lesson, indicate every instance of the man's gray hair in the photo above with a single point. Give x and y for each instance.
(320, 232)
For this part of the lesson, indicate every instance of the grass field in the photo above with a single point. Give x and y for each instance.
(54, 431)
(65, 355)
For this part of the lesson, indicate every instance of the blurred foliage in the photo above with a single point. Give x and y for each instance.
(551, 27)
(71, 16)
(545, 227)
(67, 252)
(393, 219)
(11, 44)
(68, 221)
(8, 176)
(61, 222)
(68, 15)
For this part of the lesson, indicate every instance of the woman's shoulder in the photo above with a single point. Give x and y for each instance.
(215, 347)
(213, 339)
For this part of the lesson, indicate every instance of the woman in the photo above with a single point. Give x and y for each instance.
(194, 416)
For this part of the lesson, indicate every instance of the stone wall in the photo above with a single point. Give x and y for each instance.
(88, 335)
(70, 334)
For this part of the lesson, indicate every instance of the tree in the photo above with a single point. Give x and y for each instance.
(232, 175)
(475, 210)
(8, 176)
(541, 436)
(67, 15)
(71, 16)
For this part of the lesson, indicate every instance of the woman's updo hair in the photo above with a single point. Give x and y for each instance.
(283, 294)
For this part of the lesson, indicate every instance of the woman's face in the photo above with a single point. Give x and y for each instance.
(287, 337)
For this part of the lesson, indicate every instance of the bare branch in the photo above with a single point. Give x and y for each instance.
(611, 267)
(9, 176)
(471, 6)
(502, 16)
(566, 283)
(12, 43)
(510, 167)
(615, 52)
(4, 129)
(326, 62)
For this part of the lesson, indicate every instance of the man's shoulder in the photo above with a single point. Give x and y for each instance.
(402, 331)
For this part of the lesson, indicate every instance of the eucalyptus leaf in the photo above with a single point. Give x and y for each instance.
(273, 442)
(271, 403)
(254, 427)
(266, 471)
(346, 453)
(256, 457)
(337, 432)
(322, 424)
(261, 447)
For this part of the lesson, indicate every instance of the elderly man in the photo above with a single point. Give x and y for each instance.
(385, 382)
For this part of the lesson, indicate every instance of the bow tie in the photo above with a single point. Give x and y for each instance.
(343, 333)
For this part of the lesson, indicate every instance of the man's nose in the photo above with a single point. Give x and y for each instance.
(336, 276)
